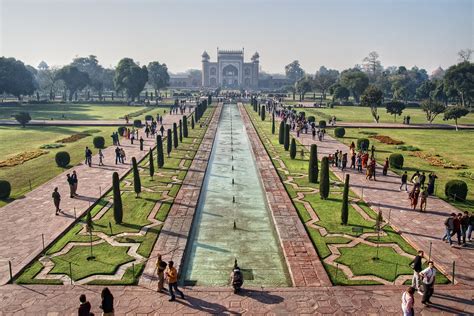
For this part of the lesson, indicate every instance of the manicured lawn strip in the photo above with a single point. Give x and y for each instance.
(149, 241)
(452, 146)
(107, 260)
(70, 236)
(130, 277)
(28, 276)
(339, 278)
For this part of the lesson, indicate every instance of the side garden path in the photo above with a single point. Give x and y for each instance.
(30, 223)
(421, 229)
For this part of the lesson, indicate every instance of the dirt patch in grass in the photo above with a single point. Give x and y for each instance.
(387, 140)
(438, 161)
(73, 138)
(21, 158)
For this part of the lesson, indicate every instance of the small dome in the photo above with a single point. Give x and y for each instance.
(205, 55)
(255, 56)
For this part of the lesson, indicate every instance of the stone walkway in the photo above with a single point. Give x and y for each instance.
(25, 222)
(134, 300)
(419, 229)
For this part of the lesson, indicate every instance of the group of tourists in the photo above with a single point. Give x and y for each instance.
(460, 225)
(420, 191)
(115, 139)
(120, 156)
(406, 120)
(107, 304)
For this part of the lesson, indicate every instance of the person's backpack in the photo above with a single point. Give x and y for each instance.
(238, 277)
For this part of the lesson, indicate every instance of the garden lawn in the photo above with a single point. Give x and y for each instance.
(451, 146)
(361, 114)
(15, 140)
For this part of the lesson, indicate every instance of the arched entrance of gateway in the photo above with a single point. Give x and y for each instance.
(230, 77)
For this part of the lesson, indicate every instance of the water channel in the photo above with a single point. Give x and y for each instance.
(233, 192)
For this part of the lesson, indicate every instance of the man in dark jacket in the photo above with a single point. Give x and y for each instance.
(85, 307)
(417, 268)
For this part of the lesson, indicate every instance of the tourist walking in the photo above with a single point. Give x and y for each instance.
(431, 183)
(470, 226)
(161, 267)
(422, 179)
(101, 158)
(56, 200)
(457, 227)
(408, 301)
(404, 181)
(141, 143)
(385, 167)
(423, 200)
(85, 307)
(172, 276)
(75, 182)
(464, 226)
(417, 267)
(428, 277)
(449, 226)
(122, 155)
(414, 195)
(88, 155)
(117, 155)
(107, 305)
(71, 185)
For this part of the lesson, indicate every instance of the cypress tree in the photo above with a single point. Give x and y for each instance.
(175, 135)
(118, 210)
(262, 112)
(324, 179)
(273, 123)
(293, 149)
(169, 146)
(313, 164)
(185, 126)
(258, 109)
(287, 137)
(89, 224)
(137, 185)
(345, 202)
(160, 161)
(151, 165)
(180, 131)
(281, 133)
(192, 122)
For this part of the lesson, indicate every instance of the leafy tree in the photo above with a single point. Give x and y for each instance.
(118, 209)
(373, 98)
(23, 118)
(73, 78)
(454, 113)
(175, 135)
(313, 164)
(90, 65)
(273, 122)
(158, 76)
(425, 90)
(324, 79)
(345, 202)
(130, 77)
(293, 71)
(303, 86)
(372, 66)
(432, 108)
(341, 93)
(293, 149)
(286, 144)
(395, 108)
(151, 166)
(159, 152)
(281, 133)
(169, 142)
(460, 78)
(356, 81)
(185, 126)
(324, 179)
(406, 82)
(48, 82)
(15, 78)
(137, 186)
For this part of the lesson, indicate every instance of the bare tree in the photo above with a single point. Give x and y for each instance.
(465, 54)
(372, 65)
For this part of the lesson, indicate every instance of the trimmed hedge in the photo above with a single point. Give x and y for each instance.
(363, 143)
(62, 159)
(5, 189)
(99, 142)
(396, 161)
(311, 119)
(148, 117)
(339, 132)
(322, 124)
(137, 123)
(121, 130)
(456, 189)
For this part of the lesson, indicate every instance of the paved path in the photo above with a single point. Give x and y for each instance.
(420, 229)
(69, 123)
(134, 300)
(26, 220)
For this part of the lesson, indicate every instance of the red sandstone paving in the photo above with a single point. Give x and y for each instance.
(25, 220)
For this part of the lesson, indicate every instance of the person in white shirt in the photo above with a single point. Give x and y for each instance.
(428, 277)
(408, 301)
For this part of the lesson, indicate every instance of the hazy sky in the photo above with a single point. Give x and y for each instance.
(335, 33)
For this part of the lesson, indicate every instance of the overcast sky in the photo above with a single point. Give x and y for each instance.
(334, 33)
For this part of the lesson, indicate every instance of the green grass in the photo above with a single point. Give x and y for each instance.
(130, 277)
(28, 276)
(15, 140)
(70, 236)
(107, 260)
(451, 146)
(339, 278)
(360, 114)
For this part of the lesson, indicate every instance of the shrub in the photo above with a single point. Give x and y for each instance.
(185, 126)
(159, 148)
(456, 189)
(363, 144)
(151, 166)
(345, 202)
(262, 113)
(273, 123)
(322, 124)
(5, 189)
(339, 132)
(23, 118)
(148, 117)
(51, 146)
(313, 164)
(137, 123)
(137, 186)
(118, 209)
(324, 179)
(287, 137)
(281, 133)
(175, 135)
(396, 161)
(121, 130)
(99, 142)
(62, 159)
(293, 149)
(407, 148)
(311, 119)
